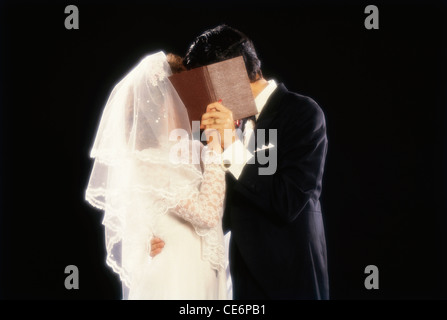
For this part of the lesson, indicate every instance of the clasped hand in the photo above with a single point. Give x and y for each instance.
(218, 119)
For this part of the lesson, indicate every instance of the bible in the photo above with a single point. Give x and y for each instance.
(227, 80)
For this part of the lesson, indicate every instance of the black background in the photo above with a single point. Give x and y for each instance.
(383, 92)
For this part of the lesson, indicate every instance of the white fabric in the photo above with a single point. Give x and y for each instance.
(241, 152)
(237, 155)
(227, 239)
(264, 95)
(149, 183)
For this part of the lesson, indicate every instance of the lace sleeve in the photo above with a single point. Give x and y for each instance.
(205, 207)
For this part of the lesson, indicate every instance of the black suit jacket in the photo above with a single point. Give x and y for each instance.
(278, 246)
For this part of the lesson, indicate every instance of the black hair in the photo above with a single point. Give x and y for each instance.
(222, 43)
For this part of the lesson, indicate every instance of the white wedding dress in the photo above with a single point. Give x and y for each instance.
(190, 265)
(179, 272)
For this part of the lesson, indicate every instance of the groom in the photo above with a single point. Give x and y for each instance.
(278, 246)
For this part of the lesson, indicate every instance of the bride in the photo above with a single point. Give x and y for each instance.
(152, 180)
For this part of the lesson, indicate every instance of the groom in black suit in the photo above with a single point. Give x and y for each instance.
(278, 246)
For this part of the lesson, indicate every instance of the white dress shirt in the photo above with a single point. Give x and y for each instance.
(238, 153)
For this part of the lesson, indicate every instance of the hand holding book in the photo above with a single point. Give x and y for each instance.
(218, 117)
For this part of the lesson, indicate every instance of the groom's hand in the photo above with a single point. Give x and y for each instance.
(220, 118)
(156, 246)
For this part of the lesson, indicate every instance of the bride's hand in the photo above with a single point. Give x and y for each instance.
(156, 246)
(220, 118)
(213, 136)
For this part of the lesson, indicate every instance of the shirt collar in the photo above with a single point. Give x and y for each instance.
(263, 96)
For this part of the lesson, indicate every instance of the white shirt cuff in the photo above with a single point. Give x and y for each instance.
(235, 157)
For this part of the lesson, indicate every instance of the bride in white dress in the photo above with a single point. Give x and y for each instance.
(151, 179)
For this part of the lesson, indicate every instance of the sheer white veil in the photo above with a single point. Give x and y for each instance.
(133, 179)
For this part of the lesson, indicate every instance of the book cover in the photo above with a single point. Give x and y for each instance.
(227, 80)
